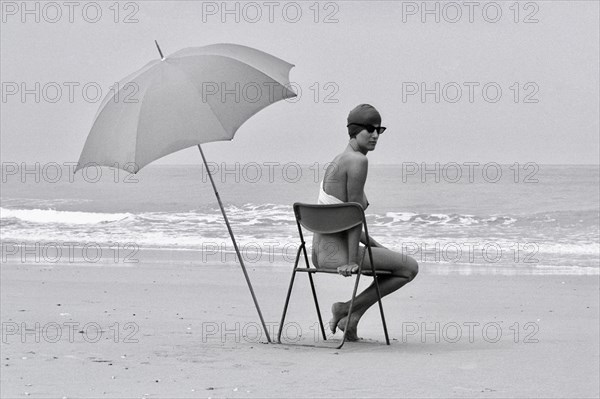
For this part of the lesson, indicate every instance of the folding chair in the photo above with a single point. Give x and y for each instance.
(330, 219)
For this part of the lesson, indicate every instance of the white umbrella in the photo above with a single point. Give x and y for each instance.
(195, 96)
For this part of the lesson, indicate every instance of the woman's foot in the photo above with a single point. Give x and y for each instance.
(339, 310)
(352, 333)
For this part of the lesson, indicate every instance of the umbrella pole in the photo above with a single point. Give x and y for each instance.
(237, 251)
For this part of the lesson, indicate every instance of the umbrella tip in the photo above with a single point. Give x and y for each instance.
(162, 57)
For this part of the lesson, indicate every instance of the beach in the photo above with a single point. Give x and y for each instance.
(139, 172)
(134, 290)
(180, 328)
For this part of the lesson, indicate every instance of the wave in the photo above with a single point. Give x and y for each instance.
(581, 219)
(51, 216)
(558, 237)
(248, 214)
(393, 218)
(274, 214)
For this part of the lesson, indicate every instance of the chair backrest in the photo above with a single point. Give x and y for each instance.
(329, 219)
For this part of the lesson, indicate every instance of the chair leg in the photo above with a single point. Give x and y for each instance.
(314, 292)
(289, 293)
(350, 309)
(385, 331)
(376, 281)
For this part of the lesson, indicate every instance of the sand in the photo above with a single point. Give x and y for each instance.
(184, 329)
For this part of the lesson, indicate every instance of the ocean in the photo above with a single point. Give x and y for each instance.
(520, 218)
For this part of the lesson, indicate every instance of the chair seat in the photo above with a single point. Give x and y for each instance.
(332, 271)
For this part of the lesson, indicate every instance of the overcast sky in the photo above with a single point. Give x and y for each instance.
(377, 52)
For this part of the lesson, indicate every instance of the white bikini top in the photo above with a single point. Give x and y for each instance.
(326, 199)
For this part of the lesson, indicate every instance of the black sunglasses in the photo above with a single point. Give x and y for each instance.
(370, 128)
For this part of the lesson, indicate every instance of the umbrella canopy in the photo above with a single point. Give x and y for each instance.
(197, 95)
(194, 96)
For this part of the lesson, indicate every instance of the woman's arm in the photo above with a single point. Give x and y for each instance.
(356, 177)
(355, 183)
(363, 239)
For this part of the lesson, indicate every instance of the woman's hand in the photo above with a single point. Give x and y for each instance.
(348, 269)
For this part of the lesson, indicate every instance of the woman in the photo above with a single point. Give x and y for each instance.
(344, 181)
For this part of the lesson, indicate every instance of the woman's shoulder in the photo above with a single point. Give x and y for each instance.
(351, 158)
(347, 163)
(354, 162)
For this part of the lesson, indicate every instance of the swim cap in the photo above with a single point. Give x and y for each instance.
(365, 114)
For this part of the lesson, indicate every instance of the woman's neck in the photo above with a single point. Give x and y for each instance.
(355, 147)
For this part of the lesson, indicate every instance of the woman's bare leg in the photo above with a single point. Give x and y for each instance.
(387, 285)
(403, 268)
(363, 301)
